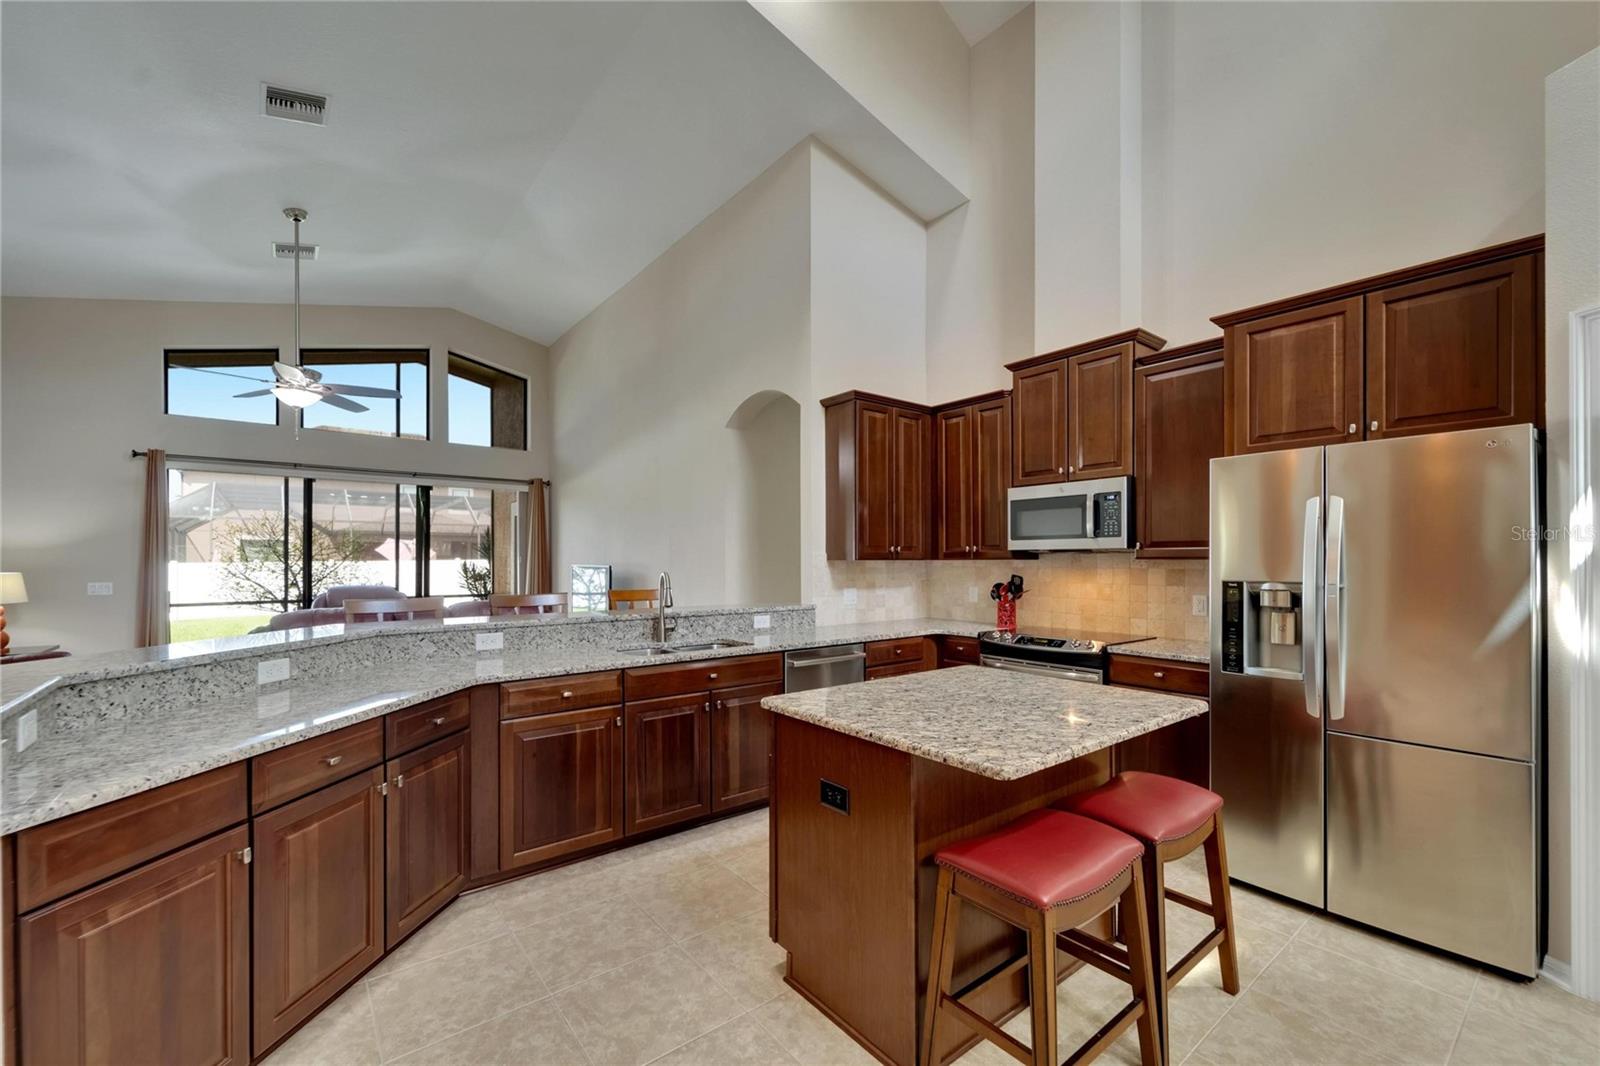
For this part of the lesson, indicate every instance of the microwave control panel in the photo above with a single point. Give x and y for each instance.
(1108, 514)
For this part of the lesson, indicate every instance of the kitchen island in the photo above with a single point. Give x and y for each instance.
(870, 780)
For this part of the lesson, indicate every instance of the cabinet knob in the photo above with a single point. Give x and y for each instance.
(1352, 428)
(334, 760)
(1069, 469)
(566, 693)
(712, 675)
(1060, 470)
(899, 651)
(1373, 425)
(1160, 674)
(436, 720)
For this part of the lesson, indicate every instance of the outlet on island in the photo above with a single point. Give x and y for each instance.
(835, 796)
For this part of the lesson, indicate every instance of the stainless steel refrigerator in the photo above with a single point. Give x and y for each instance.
(1375, 683)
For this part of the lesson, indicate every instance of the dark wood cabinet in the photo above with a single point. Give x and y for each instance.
(667, 752)
(318, 911)
(1178, 413)
(972, 470)
(426, 826)
(1181, 750)
(560, 784)
(1455, 351)
(1100, 413)
(879, 478)
(741, 737)
(958, 651)
(151, 966)
(1451, 344)
(1039, 424)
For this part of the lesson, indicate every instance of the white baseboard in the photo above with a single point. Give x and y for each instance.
(1557, 972)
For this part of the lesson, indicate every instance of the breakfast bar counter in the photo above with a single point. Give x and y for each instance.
(871, 779)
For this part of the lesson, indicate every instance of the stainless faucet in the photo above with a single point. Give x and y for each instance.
(663, 625)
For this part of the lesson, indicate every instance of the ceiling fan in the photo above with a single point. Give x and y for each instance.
(298, 386)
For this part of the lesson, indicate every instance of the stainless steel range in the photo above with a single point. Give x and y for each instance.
(1067, 654)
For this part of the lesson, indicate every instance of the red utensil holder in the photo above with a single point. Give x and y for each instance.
(1005, 615)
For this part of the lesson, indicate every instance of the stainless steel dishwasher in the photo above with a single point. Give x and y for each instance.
(824, 667)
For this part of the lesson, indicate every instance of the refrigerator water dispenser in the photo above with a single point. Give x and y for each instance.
(1261, 628)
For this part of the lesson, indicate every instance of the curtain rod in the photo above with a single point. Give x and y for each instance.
(366, 470)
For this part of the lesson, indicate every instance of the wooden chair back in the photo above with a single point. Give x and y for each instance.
(402, 610)
(634, 599)
(538, 603)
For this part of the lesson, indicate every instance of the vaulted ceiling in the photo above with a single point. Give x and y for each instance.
(518, 162)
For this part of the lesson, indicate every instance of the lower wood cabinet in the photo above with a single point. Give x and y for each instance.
(426, 826)
(668, 751)
(319, 901)
(560, 784)
(741, 740)
(152, 966)
(958, 651)
(1181, 750)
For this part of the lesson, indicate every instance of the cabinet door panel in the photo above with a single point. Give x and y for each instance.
(560, 784)
(991, 446)
(913, 484)
(874, 502)
(1178, 409)
(1295, 379)
(668, 753)
(741, 734)
(427, 833)
(953, 503)
(1039, 425)
(1100, 413)
(318, 915)
(1454, 352)
(152, 966)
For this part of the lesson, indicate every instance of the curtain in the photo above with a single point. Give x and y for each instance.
(152, 627)
(536, 573)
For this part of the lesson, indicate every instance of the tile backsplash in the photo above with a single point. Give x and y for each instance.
(1093, 591)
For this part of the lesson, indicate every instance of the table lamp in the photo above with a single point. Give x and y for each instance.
(12, 590)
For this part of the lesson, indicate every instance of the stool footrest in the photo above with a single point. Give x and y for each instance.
(1186, 900)
(1107, 1034)
(1004, 970)
(1098, 953)
(979, 1024)
(1196, 953)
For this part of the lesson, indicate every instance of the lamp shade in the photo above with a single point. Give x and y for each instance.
(12, 590)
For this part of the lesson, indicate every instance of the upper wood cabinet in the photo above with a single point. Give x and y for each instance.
(1451, 344)
(972, 467)
(427, 833)
(1177, 405)
(879, 473)
(151, 966)
(560, 784)
(1072, 410)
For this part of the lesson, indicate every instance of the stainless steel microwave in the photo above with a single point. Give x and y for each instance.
(1074, 515)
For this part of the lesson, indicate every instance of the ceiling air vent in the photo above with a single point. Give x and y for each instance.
(285, 250)
(294, 106)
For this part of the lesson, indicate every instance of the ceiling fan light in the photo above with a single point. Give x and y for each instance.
(295, 397)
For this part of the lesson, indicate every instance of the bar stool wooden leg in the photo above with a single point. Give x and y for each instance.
(1155, 894)
(1042, 981)
(1222, 906)
(942, 960)
(1142, 978)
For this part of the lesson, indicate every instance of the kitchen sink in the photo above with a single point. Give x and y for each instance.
(675, 649)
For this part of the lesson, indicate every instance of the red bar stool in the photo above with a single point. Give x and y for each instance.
(1172, 818)
(1045, 873)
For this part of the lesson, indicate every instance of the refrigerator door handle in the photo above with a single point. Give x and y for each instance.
(1333, 608)
(1311, 638)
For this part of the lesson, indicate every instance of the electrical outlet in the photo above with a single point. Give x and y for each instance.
(762, 621)
(835, 796)
(850, 597)
(100, 588)
(1197, 606)
(972, 594)
(491, 641)
(271, 671)
(27, 730)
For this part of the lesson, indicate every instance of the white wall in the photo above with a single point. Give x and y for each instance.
(645, 385)
(1291, 146)
(763, 521)
(980, 256)
(1572, 283)
(82, 383)
(904, 61)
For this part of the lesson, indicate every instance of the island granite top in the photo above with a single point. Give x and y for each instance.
(997, 723)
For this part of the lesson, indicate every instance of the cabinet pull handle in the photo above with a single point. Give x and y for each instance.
(399, 780)
(566, 693)
(439, 720)
(619, 720)
(245, 855)
(1352, 428)
(1160, 674)
(383, 788)
(334, 760)
(1374, 425)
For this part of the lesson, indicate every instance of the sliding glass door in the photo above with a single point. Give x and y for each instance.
(234, 545)
(363, 533)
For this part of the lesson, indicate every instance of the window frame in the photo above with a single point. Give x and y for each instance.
(489, 372)
(376, 357)
(166, 380)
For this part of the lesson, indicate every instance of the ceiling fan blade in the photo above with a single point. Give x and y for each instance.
(291, 375)
(340, 402)
(364, 390)
(248, 395)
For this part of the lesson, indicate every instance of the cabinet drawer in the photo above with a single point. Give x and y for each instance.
(287, 773)
(650, 681)
(69, 853)
(887, 652)
(405, 730)
(916, 666)
(1168, 675)
(958, 651)
(571, 693)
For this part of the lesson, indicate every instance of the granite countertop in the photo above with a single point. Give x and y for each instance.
(1187, 651)
(63, 774)
(997, 723)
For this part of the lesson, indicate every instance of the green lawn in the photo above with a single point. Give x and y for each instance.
(231, 625)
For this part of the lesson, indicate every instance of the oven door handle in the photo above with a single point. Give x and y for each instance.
(1062, 673)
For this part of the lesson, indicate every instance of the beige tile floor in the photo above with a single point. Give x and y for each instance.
(660, 954)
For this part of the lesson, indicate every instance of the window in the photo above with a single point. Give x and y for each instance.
(406, 371)
(460, 541)
(206, 384)
(488, 407)
(235, 551)
(591, 588)
(363, 533)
